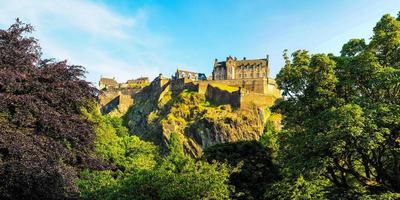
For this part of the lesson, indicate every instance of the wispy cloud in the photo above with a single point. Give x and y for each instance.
(91, 34)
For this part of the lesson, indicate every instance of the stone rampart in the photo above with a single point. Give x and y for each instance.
(220, 97)
(183, 83)
(248, 99)
(256, 85)
(260, 92)
(120, 99)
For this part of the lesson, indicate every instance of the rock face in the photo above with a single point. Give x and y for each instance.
(159, 111)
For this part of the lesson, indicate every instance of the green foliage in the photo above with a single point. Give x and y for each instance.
(225, 87)
(269, 139)
(298, 189)
(257, 171)
(142, 174)
(342, 116)
(353, 47)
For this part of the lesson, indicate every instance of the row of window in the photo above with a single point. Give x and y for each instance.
(256, 75)
(253, 67)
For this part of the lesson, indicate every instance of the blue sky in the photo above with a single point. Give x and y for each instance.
(129, 39)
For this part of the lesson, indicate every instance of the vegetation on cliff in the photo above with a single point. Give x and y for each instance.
(141, 173)
(160, 111)
(225, 87)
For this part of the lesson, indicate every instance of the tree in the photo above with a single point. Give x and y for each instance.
(142, 174)
(257, 171)
(342, 114)
(44, 141)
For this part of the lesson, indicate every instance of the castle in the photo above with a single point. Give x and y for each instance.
(240, 83)
(240, 69)
(119, 96)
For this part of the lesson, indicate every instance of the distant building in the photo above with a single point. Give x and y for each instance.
(111, 83)
(139, 81)
(106, 83)
(190, 75)
(119, 96)
(240, 69)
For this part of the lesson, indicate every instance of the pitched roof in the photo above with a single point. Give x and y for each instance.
(187, 72)
(132, 81)
(243, 62)
(108, 81)
(143, 78)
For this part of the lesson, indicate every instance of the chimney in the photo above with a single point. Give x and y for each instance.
(244, 58)
(216, 60)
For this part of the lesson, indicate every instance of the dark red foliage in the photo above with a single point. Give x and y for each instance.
(44, 140)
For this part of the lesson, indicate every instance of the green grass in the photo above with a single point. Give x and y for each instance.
(225, 87)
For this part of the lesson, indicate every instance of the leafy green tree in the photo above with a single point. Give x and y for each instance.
(257, 171)
(140, 172)
(297, 189)
(342, 114)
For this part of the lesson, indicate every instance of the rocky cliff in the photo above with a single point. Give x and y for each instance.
(159, 111)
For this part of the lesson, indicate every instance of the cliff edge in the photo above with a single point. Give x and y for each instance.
(162, 108)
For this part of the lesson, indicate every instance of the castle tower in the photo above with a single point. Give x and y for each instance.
(230, 68)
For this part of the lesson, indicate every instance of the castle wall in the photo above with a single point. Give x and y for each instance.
(270, 88)
(202, 87)
(248, 99)
(220, 97)
(260, 92)
(106, 97)
(183, 83)
(109, 105)
(125, 101)
(121, 99)
(257, 85)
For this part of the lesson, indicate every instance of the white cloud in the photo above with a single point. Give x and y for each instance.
(95, 32)
(82, 15)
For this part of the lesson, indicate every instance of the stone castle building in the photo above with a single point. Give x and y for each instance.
(106, 83)
(190, 75)
(233, 68)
